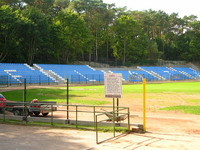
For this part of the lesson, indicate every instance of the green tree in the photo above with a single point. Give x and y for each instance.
(93, 12)
(73, 36)
(11, 25)
(15, 4)
(129, 41)
(193, 36)
(35, 33)
(106, 33)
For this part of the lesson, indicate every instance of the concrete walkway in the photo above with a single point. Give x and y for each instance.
(19, 137)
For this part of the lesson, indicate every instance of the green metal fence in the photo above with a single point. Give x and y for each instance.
(73, 116)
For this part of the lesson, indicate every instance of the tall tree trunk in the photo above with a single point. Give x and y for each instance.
(67, 59)
(124, 58)
(31, 52)
(89, 56)
(3, 56)
(107, 46)
(82, 55)
(96, 47)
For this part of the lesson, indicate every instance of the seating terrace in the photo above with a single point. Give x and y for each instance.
(58, 73)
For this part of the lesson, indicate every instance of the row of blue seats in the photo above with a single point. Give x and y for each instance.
(138, 75)
(84, 73)
(76, 73)
(188, 71)
(135, 75)
(18, 72)
(171, 73)
(158, 73)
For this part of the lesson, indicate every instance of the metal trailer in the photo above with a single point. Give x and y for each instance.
(26, 109)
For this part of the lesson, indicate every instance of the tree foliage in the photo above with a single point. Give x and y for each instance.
(73, 36)
(64, 31)
(129, 42)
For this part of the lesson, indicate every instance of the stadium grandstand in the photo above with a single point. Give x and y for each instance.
(15, 73)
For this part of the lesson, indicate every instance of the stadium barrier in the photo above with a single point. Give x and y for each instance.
(7, 80)
(162, 77)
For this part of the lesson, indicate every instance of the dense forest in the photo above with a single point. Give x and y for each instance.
(64, 31)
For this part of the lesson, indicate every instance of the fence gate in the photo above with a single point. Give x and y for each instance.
(115, 117)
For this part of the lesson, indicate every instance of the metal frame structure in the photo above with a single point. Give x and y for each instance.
(114, 119)
(96, 113)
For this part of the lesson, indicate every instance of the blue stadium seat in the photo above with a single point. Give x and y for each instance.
(14, 73)
(188, 72)
(165, 73)
(18, 72)
(125, 74)
(75, 73)
(138, 75)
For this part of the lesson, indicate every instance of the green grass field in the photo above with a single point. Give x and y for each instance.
(178, 96)
(184, 109)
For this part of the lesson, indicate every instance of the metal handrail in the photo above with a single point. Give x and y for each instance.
(115, 115)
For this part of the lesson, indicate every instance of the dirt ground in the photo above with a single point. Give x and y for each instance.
(18, 137)
(165, 130)
(156, 122)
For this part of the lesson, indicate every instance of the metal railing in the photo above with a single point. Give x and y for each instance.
(115, 117)
(162, 77)
(6, 80)
(75, 118)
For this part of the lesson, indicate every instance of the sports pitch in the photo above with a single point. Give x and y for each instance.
(176, 96)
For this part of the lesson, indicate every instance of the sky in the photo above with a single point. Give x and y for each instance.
(182, 7)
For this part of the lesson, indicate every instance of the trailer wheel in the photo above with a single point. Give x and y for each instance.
(45, 114)
(36, 113)
(1, 111)
(31, 114)
(17, 112)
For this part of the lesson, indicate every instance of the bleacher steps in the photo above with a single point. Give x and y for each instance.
(13, 76)
(36, 67)
(83, 75)
(195, 71)
(54, 76)
(90, 67)
(186, 74)
(135, 76)
(49, 73)
(29, 67)
(170, 68)
(151, 73)
(158, 76)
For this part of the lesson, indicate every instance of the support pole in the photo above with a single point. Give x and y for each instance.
(24, 95)
(67, 99)
(128, 119)
(76, 116)
(113, 117)
(24, 102)
(144, 104)
(52, 114)
(96, 131)
(94, 110)
(117, 107)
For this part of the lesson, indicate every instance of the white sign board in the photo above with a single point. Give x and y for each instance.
(113, 85)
